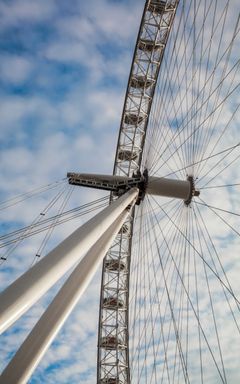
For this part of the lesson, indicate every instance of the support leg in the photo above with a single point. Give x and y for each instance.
(28, 288)
(32, 350)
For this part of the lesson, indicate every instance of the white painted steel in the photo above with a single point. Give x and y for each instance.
(29, 287)
(36, 344)
(159, 186)
(179, 189)
(99, 177)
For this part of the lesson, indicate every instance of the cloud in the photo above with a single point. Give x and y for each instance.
(16, 12)
(15, 69)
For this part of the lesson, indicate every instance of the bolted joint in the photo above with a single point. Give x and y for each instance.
(142, 185)
(193, 192)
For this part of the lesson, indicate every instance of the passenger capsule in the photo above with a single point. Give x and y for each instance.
(133, 119)
(112, 303)
(127, 155)
(149, 45)
(111, 342)
(141, 82)
(115, 265)
(110, 380)
(157, 7)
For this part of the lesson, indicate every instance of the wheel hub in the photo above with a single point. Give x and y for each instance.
(151, 185)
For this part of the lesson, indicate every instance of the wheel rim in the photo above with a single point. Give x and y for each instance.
(185, 138)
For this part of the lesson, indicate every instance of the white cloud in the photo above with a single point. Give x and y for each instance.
(16, 12)
(15, 69)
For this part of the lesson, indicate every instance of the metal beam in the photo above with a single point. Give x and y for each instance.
(29, 287)
(36, 344)
(158, 186)
(105, 182)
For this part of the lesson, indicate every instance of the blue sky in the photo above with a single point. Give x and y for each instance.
(64, 68)
(63, 71)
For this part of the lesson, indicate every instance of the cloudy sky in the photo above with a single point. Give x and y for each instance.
(64, 67)
(63, 72)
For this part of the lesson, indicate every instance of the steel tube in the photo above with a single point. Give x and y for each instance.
(161, 186)
(33, 348)
(29, 287)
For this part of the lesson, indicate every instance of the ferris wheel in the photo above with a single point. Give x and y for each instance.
(170, 298)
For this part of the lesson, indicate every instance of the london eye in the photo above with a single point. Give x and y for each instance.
(169, 238)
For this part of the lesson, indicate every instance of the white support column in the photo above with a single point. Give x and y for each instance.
(32, 350)
(29, 287)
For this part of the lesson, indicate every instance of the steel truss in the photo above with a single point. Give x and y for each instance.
(113, 349)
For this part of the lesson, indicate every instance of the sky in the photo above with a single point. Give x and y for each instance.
(64, 68)
(63, 71)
